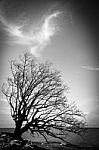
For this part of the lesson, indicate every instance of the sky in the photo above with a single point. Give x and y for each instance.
(64, 32)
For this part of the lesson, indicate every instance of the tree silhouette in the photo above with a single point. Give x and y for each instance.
(37, 99)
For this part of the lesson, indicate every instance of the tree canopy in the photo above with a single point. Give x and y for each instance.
(38, 102)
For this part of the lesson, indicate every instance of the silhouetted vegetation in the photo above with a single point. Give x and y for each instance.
(37, 99)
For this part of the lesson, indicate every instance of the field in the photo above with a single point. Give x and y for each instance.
(89, 141)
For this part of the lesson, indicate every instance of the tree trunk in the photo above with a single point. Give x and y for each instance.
(17, 132)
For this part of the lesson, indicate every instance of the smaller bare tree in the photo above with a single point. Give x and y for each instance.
(36, 95)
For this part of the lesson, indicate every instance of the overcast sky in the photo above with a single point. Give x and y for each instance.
(64, 32)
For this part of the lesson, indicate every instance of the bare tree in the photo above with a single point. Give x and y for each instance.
(37, 98)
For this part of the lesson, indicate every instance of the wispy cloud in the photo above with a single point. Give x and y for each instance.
(90, 68)
(36, 38)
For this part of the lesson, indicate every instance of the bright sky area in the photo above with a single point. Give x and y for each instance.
(56, 31)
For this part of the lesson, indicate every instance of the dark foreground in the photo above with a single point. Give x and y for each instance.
(8, 143)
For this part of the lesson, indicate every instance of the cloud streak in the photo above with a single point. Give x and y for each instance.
(37, 37)
(90, 68)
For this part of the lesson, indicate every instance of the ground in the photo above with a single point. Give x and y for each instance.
(8, 143)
